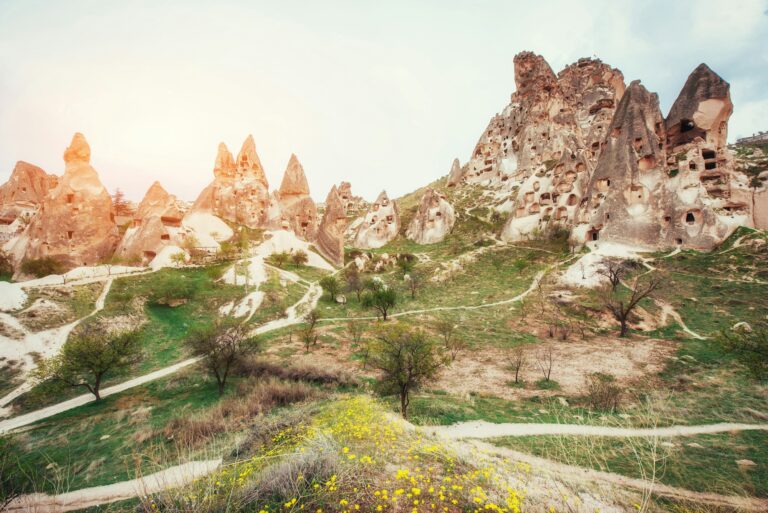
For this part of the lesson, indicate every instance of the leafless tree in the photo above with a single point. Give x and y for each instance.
(545, 360)
(517, 358)
(308, 332)
(355, 331)
(614, 271)
(454, 345)
(621, 305)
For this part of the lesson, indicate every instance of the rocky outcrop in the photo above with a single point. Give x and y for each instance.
(330, 235)
(456, 175)
(156, 224)
(539, 152)
(239, 192)
(75, 223)
(666, 183)
(380, 225)
(297, 210)
(351, 202)
(548, 157)
(21, 196)
(433, 221)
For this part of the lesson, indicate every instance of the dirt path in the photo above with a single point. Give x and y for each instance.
(98, 495)
(572, 473)
(482, 429)
(46, 343)
(518, 297)
(294, 315)
(668, 311)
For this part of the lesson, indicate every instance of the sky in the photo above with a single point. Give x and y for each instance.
(382, 94)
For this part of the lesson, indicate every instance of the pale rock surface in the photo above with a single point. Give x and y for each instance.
(297, 209)
(21, 196)
(330, 235)
(434, 219)
(75, 223)
(351, 202)
(208, 229)
(239, 192)
(278, 241)
(380, 225)
(156, 224)
(456, 175)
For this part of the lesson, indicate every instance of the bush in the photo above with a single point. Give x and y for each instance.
(172, 288)
(258, 367)
(253, 397)
(547, 384)
(40, 267)
(750, 347)
(603, 393)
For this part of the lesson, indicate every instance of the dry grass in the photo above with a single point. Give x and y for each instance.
(258, 367)
(252, 398)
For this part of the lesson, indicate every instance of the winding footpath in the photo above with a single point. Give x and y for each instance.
(482, 429)
(49, 341)
(98, 495)
(574, 473)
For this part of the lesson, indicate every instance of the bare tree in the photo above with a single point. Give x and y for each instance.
(308, 332)
(454, 345)
(355, 331)
(354, 283)
(613, 270)
(222, 345)
(517, 359)
(415, 280)
(621, 305)
(545, 360)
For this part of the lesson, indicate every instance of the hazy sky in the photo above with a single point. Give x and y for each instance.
(382, 93)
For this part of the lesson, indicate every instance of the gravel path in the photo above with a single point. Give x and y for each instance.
(482, 429)
(97, 495)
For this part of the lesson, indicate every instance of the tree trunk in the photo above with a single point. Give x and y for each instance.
(404, 402)
(624, 328)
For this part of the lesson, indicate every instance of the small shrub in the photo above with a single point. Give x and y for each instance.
(40, 267)
(603, 393)
(547, 384)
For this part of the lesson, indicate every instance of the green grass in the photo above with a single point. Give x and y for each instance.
(106, 432)
(709, 468)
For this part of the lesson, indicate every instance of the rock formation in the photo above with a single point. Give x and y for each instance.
(380, 225)
(351, 202)
(433, 221)
(239, 192)
(330, 235)
(297, 209)
(456, 174)
(548, 157)
(545, 144)
(75, 223)
(21, 196)
(156, 224)
(668, 182)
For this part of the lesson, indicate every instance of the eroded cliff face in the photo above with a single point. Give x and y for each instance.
(21, 196)
(380, 225)
(330, 235)
(239, 192)
(548, 159)
(297, 209)
(666, 183)
(156, 224)
(433, 220)
(75, 223)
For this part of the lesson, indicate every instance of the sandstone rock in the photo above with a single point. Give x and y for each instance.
(351, 202)
(539, 152)
(330, 235)
(296, 206)
(156, 224)
(380, 225)
(548, 156)
(666, 183)
(239, 192)
(21, 196)
(456, 174)
(434, 219)
(75, 223)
